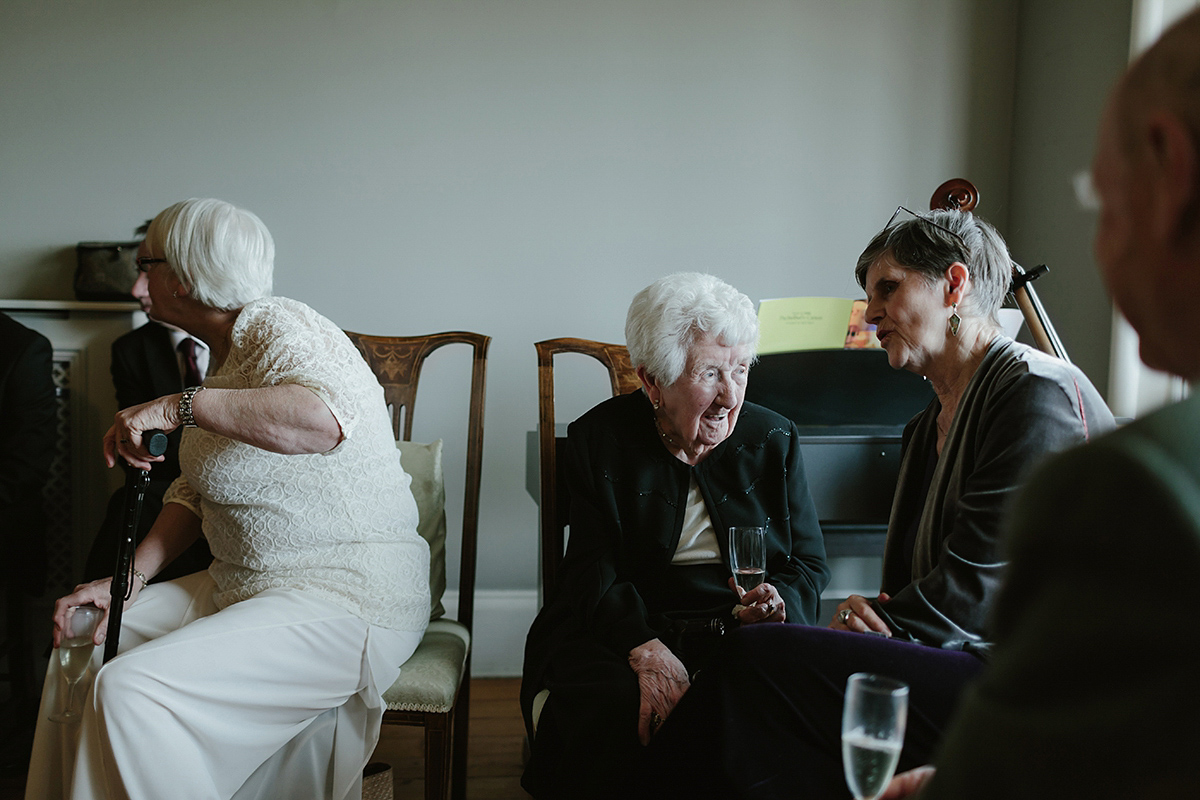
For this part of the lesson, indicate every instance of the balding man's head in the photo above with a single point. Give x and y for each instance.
(1167, 76)
(1147, 173)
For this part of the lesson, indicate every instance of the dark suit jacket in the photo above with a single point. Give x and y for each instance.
(145, 367)
(1093, 688)
(27, 431)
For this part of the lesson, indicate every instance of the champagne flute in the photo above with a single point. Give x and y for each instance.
(872, 732)
(75, 653)
(748, 556)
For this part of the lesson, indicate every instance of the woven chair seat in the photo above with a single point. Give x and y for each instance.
(429, 680)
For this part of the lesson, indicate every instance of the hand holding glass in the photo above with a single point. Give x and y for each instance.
(872, 732)
(75, 653)
(748, 556)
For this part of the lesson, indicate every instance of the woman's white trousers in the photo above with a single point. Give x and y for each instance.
(197, 699)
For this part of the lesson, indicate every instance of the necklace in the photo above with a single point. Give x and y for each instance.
(663, 433)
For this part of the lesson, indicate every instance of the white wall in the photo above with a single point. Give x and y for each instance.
(522, 167)
(1070, 54)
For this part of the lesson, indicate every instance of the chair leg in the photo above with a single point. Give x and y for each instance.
(439, 736)
(462, 715)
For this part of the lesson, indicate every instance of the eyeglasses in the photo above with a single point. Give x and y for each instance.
(143, 264)
(928, 221)
(1085, 191)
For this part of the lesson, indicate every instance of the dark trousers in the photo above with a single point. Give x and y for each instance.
(586, 744)
(763, 720)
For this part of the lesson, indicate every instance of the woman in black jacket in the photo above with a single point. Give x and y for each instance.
(657, 477)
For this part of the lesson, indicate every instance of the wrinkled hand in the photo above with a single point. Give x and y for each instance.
(906, 784)
(124, 438)
(98, 594)
(662, 680)
(861, 618)
(763, 603)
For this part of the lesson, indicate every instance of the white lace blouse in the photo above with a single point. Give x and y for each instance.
(341, 524)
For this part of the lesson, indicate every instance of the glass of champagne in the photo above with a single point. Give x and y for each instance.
(872, 732)
(748, 556)
(75, 653)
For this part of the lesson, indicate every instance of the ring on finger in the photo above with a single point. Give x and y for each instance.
(844, 615)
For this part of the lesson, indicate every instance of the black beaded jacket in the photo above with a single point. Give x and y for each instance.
(628, 496)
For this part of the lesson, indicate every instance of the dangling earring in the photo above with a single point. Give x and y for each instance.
(175, 294)
(656, 404)
(955, 320)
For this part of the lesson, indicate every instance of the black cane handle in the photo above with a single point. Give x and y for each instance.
(155, 442)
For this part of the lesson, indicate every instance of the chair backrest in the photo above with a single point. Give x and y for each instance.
(396, 362)
(554, 500)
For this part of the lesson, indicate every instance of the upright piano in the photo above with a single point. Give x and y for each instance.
(850, 407)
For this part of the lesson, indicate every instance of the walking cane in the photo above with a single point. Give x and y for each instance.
(136, 482)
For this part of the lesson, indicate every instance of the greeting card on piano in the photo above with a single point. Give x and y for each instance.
(788, 324)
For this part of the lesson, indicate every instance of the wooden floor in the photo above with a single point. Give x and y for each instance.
(494, 766)
(494, 755)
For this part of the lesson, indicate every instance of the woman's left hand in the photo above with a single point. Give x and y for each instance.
(662, 679)
(856, 614)
(763, 603)
(124, 438)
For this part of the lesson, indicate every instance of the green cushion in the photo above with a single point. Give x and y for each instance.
(424, 463)
(429, 680)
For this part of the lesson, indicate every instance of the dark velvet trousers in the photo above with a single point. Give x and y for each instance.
(586, 744)
(763, 720)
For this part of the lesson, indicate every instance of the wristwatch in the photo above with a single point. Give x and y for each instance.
(185, 406)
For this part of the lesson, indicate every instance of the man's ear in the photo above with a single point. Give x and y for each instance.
(1174, 161)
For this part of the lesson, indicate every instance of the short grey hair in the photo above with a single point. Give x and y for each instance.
(929, 250)
(667, 317)
(223, 254)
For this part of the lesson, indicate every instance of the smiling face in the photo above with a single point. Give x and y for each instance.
(700, 409)
(909, 313)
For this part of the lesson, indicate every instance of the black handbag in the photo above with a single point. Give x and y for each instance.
(105, 270)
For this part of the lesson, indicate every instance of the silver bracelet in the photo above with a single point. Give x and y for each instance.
(141, 576)
(185, 406)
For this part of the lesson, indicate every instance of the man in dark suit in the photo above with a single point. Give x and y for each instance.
(27, 434)
(147, 364)
(1093, 691)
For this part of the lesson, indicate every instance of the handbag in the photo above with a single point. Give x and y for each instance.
(105, 270)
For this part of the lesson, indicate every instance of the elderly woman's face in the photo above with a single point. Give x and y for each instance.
(909, 314)
(156, 288)
(700, 409)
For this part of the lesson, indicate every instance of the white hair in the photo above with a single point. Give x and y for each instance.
(667, 317)
(223, 254)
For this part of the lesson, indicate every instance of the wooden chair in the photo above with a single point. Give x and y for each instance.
(555, 508)
(433, 690)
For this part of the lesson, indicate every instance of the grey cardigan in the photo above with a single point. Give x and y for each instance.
(1020, 406)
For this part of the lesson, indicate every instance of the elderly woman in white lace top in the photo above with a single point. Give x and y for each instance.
(318, 588)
